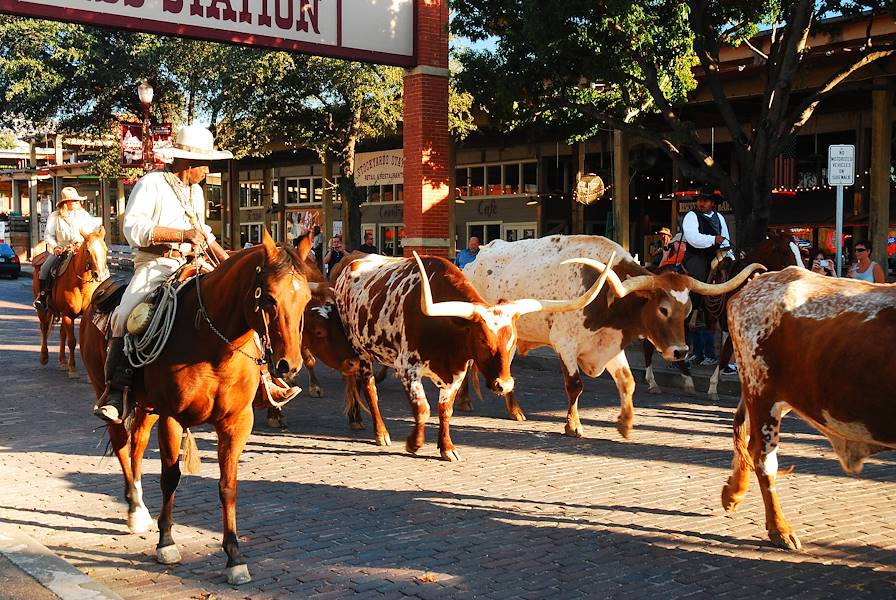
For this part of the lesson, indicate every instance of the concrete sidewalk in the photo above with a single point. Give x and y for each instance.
(666, 374)
(30, 571)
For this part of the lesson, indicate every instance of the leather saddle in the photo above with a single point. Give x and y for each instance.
(59, 268)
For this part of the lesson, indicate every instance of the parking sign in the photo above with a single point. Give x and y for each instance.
(841, 164)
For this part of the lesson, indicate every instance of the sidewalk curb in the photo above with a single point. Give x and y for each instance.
(52, 572)
(666, 377)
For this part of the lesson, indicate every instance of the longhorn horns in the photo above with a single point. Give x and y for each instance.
(649, 282)
(466, 310)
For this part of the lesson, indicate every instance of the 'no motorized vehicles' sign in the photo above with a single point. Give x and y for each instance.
(841, 164)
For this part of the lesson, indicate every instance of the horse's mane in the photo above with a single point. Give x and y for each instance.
(287, 261)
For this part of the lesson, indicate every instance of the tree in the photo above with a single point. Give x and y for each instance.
(631, 64)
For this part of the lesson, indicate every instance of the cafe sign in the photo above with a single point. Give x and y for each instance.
(385, 167)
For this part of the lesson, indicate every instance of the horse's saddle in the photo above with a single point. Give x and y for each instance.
(59, 268)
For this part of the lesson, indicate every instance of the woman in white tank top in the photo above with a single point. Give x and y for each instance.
(866, 269)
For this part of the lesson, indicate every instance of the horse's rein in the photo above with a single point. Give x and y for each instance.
(267, 357)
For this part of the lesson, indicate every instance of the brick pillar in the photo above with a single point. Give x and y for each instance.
(427, 145)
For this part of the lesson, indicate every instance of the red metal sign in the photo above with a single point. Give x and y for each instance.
(131, 144)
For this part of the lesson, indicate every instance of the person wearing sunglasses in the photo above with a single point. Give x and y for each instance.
(864, 268)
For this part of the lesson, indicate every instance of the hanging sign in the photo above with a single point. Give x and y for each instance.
(131, 144)
(365, 30)
(379, 168)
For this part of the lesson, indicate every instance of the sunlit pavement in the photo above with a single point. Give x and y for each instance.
(529, 513)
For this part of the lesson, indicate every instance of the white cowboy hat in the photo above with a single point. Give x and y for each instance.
(193, 142)
(69, 194)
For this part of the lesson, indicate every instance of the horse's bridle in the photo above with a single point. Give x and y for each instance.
(267, 357)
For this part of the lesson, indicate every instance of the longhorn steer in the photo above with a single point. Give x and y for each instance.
(818, 346)
(636, 304)
(390, 318)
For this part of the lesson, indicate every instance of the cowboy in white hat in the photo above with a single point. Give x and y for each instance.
(66, 227)
(164, 221)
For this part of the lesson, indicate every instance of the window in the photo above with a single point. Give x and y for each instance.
(390, 240)
(250, 194)
(385, 193)
(486, 232)
(213, 199)
(497, 179)
(251, 233)
(304, 190)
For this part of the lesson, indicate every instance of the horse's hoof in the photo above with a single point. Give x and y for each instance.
(785, 540)
(730, 501)
(689, 385)
(314, 391)
(517, 415)
(654, 389)
(385, 440)
(238, 575)
(168, 555)
(624, 427)
(713, 397)
(44, 359)
(276, 422)
(573, 431)
(72, 374)
(410, 448)
(450, 455)
(139, 521)
(356, 426)
(465, 406)
(63, 366)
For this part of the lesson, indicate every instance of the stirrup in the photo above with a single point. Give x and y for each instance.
(270, 387)
(108, 411)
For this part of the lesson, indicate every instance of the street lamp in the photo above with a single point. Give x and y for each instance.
(144, 92)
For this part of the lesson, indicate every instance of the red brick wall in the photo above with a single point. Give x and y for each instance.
(426, 140)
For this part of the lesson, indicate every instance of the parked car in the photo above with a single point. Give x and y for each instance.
(9, 262)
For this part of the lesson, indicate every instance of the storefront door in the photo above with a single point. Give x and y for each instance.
(390, 240)
(485, 231)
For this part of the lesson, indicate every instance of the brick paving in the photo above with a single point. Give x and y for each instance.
(325, 513)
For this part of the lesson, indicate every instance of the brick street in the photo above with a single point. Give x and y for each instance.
(529, 513)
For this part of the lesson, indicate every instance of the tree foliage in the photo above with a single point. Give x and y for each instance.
(72, 78)
(631, 64)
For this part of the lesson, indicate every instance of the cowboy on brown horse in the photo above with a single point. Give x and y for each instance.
(165, 223)
(66, 227)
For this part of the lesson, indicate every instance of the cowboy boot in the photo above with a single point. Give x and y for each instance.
(276, 391)
(111, 405)
(41, 302)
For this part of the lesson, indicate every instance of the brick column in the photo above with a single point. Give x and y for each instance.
(427, 145)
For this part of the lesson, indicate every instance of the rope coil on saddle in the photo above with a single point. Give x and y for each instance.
(146, 347)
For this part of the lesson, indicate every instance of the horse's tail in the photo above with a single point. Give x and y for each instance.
(191, 454)
(741, 453)
(352, 397)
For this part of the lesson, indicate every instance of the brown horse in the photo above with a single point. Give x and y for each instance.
(776, 252)
(70, 295)
(245, 313)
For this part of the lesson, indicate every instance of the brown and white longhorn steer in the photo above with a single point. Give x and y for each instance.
(636, 304)
(390, 317)
(819, 346)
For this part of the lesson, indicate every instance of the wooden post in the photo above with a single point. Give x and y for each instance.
(267, 196)
(577, 216)
(233, 203)
(620, 189)
(879, 205)
(326, 208)
(106, 209)
(34, 218)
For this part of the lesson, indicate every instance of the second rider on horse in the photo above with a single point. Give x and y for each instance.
(165, 223)
(65, 228)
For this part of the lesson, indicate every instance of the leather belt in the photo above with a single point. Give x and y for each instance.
(163, 251)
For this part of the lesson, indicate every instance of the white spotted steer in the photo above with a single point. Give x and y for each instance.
(635, 305)
(390, 318)
(819, 346)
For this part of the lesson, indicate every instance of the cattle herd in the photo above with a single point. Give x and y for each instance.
(803, 342)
